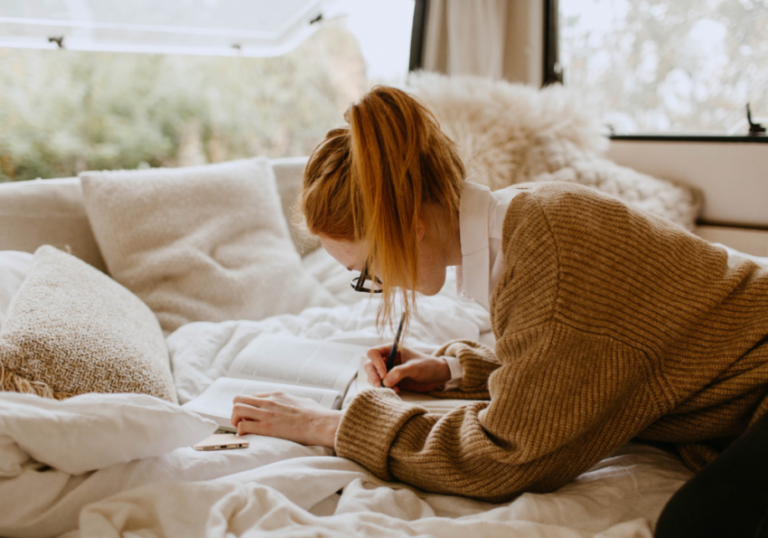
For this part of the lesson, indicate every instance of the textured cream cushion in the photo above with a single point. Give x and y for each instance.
(206, 243)
(47, 212)
(74, 330)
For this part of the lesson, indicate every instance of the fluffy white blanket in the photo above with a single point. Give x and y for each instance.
(286, 489)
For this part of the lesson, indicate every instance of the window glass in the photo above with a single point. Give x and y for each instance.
(668, 66)
(63, 111)
(216, 27)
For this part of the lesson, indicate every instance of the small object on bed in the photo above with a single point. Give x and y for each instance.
(221, 441)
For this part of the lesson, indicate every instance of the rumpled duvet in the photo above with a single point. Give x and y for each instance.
(280, 488)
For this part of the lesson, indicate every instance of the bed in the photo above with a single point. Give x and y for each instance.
(103, 465)
(287, 489)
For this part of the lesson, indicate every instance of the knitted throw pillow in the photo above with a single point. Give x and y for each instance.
(204, 243)
(71, 329)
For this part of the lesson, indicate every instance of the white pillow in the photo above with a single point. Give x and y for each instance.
(92, 431)
(14, 267)
(205, 243)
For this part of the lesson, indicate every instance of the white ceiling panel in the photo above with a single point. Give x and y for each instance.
(217, 27)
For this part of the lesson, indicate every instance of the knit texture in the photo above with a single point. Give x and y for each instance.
(71, 330)
(611, 324)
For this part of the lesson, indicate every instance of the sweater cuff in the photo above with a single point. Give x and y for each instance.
(369, 427)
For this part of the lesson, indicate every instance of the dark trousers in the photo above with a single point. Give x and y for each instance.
(726, 499)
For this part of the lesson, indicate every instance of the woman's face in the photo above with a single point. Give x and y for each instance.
(431, 266)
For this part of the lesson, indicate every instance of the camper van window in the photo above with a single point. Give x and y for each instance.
(65, 110)
(669, 67)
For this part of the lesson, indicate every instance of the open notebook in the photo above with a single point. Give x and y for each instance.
(316, 369)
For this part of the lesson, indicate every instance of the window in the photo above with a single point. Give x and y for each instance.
(63, 111)
(668, 66)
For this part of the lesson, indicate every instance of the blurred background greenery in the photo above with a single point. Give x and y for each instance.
(63, 112)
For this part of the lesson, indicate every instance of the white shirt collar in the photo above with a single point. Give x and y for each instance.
(473, 229)
(481, 218)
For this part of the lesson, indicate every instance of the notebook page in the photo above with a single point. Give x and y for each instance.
(216, 401)
(298, 361)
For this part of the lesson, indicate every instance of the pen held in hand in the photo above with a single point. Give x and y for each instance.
(393, 351)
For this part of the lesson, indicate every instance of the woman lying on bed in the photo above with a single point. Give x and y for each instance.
(611, 324)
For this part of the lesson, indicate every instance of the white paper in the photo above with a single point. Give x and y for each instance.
(298, 361)
(217, 403)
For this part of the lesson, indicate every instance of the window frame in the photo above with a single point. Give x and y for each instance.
(554, 73)
(416, 60)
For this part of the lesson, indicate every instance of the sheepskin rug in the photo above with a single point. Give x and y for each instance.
(512, 133)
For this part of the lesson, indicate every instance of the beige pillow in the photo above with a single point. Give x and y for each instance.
(71, 329)
(206, 243)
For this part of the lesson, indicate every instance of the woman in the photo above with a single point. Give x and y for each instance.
(611, 324)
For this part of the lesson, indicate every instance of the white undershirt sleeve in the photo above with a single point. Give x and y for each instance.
(457, 372)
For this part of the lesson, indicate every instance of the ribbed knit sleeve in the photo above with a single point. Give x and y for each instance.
(370, 425)
(478, 363)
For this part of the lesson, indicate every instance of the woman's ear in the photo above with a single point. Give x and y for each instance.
(421, 229)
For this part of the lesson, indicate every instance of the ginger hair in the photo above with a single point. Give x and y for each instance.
(370, 181)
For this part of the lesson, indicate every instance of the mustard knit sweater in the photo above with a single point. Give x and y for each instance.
(611, 324)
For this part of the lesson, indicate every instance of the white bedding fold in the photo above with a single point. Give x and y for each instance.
(129, 439)
(619, 498)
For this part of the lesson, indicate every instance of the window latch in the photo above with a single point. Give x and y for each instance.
(59, 40)
(755, 129)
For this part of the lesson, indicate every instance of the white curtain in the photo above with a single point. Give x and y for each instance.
(464, 37)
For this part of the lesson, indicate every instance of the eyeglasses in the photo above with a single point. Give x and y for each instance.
(364, 282)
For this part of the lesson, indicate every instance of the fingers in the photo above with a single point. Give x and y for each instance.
(245, 412)
(244, 427)
(381, 351)
(398, 373)
(378, 362)
(254, 409)
(257, 400)
(372, 374)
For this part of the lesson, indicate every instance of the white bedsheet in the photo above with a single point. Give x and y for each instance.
(619, 498)
(291, 490)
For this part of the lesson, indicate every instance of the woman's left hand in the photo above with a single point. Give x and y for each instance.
(277, 414)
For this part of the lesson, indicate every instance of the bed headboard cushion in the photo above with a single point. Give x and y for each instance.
(205, 243)
(47, 212)
(71, 329)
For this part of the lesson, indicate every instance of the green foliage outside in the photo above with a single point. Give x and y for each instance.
(668, 65)
(62, 112)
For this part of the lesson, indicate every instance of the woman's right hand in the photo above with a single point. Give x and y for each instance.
(414, 371)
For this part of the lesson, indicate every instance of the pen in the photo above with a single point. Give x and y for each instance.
(393, 351)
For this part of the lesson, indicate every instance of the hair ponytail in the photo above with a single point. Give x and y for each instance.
(370, 182)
